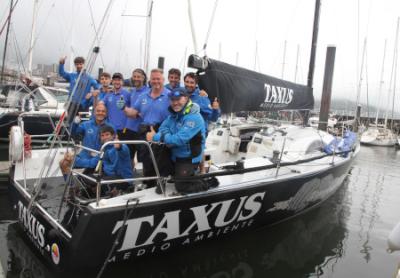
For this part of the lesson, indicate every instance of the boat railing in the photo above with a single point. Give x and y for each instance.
(99, 181)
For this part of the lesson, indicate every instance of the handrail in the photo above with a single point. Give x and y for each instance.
(128, 142)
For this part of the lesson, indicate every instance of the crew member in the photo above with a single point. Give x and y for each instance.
(96, 96)
(152, 107)
(133, 123)
(208, 111)
(86, 82)
(115, 102)
(89, 132)
(184, 133)
(174, 79)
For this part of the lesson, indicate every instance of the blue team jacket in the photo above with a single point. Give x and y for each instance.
(117, 162)
(90, 131)
(206, 111)
(179, 128)
(80, 93)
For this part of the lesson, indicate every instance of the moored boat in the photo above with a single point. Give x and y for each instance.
(258, 175)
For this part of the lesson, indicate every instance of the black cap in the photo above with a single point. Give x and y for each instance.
(117, 75)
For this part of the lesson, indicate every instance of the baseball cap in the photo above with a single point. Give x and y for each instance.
(117, 75)
(177, 93)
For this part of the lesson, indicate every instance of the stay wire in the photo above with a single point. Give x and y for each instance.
(127, 214)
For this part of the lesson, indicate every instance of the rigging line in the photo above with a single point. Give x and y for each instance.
(17, 49)
(95, 31)
(210, 26)
(394, 86)
(8, 17)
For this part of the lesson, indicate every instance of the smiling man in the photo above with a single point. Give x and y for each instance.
(184, 133)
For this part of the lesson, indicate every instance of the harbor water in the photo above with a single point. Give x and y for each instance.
(344, 237)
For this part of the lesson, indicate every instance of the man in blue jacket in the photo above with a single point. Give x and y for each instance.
(208, 111)
(78, 91)
(89, 133)
(116, 162)
(184, 133)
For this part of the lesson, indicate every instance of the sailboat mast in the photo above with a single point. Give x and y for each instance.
(297, 63)
(148, 35)
(35, 11)
(361, 72)
(392, 71)
(6, 42)
(381, 82)
(311, 67)
(283, 59)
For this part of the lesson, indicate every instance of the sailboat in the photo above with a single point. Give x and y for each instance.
(281, 172)
(382, 135)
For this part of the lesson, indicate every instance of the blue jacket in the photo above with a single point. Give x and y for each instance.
(90, 131)
(80, 93)
(116, 114)
(179, 129)
(169, 87)
(153, 111)
(89, 102)
(134, 123)
(206, 111)
(117, 162)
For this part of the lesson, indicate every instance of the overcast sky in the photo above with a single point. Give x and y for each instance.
(63, 25)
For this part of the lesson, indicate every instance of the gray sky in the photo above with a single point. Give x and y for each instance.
(63, 24)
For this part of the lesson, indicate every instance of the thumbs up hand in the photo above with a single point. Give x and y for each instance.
(150, 135)
(215, 104)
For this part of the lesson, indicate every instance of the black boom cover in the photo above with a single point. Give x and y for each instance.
(239, 89)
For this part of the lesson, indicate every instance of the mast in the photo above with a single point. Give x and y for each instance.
(311, 67)
(381, 82)
(148, 35)
(192, 27)
(6, 42)
(255, 56)
(361, 73)
(283, 59)
(394, 64)
(297, 63)
(35, 11)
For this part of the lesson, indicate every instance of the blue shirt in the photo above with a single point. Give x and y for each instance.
(117, 162)
(79, 95)
(116, 114)
(134, 123)
(177, 131)
(206, 111)
(153, 111)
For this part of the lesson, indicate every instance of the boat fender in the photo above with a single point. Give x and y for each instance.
(394, 239)
(16, 146)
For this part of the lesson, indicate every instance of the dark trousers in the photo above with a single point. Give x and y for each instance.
(128, 134)
(185, 168)
(162, 155)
